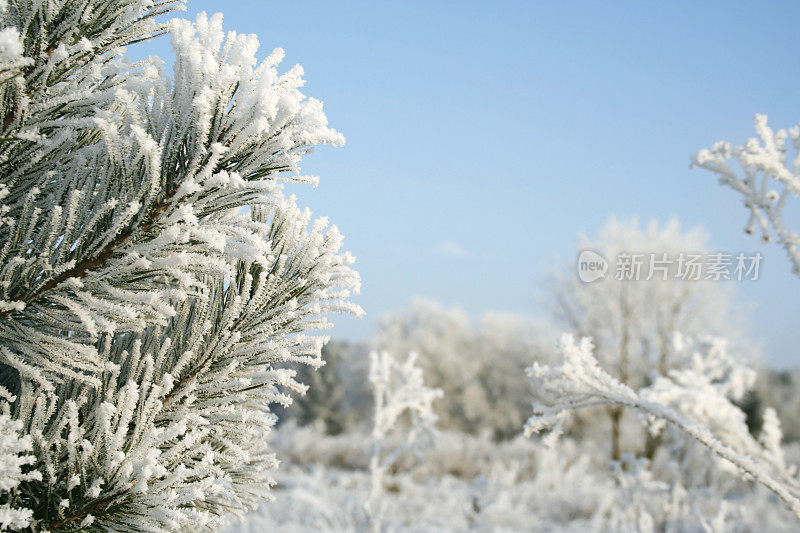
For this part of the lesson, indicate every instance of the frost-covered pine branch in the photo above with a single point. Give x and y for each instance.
(79, 175)
(14, 457)
(694, 398)
(153, 276)
(399, 390)
(766, 182)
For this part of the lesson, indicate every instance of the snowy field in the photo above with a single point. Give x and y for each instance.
(472, 484)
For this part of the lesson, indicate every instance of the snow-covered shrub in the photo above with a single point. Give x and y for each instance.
(155, 279)
(404, 404)
(480, 366)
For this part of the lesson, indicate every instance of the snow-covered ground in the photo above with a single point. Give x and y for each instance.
(473, 483)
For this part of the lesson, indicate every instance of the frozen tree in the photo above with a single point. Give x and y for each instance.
(153, 276)
(632, 315)
(767, 180)
(404, 406)
(479, 365)
(695, 398)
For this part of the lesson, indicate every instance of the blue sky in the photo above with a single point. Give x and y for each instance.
(483, 137)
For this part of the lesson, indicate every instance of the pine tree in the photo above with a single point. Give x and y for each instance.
(153, 276)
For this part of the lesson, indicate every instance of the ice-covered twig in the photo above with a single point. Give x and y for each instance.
(580, 382)
(767, 181)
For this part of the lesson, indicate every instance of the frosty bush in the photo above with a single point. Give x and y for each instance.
(480, 367)
(154, 276)
(403, 403)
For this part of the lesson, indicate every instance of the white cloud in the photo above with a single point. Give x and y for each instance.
(452, 249)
